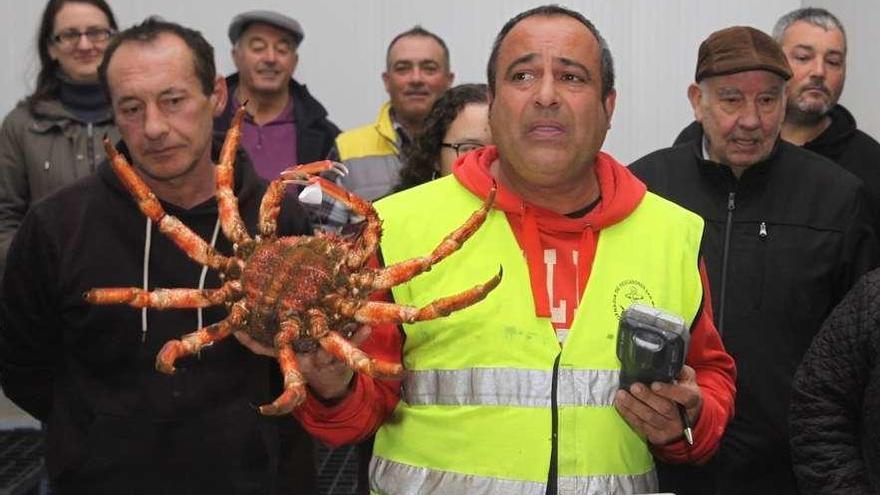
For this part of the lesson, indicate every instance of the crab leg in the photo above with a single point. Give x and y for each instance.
(404, 271)
(165, 298)
(192, 343)
(271, 203)
(452, 242)
(230, 219)
(294, 384)
(188, 241)
(270, 207)
(369, 238)
(375, 312)
(346, 352)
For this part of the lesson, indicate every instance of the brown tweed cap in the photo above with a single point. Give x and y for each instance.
(738, 49)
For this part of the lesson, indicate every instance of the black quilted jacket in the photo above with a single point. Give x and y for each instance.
(835, 406)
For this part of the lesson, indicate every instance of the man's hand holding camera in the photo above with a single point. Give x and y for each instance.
(653, 410)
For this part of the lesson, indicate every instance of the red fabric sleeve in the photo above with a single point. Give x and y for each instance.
(370, 400)
(716, 376)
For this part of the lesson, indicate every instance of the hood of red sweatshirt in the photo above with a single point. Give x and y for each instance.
(620, 193)
(620, 190)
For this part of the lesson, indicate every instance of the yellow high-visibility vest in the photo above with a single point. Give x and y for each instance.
(477, 415)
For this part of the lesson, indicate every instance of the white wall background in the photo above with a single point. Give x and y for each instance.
(654, 45)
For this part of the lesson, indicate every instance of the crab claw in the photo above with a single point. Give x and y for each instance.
(304, 172)
(289, 400)
(172, 350)
(339, 169)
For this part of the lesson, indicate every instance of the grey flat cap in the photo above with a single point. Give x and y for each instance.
(242, 21)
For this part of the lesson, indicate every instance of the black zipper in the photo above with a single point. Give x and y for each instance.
(553, 473)
(90, 149)
(731, 205)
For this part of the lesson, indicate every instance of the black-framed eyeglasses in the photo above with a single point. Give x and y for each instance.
(463, 147)
(71, 36)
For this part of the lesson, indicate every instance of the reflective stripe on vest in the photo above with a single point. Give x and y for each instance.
(477, 403)
(508, 387)
(403, 479)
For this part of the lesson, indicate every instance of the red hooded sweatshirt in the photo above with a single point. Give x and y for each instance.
(556, 247)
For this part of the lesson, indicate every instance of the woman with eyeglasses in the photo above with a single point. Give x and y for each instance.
(53, 136)
(458, 123)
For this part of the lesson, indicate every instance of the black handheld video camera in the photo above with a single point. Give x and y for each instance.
(651, 345)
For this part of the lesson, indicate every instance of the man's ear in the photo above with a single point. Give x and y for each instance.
(295, 61)
(609, 104)
(385, 78)
(220, 95)
(695, 96)
(235, 53)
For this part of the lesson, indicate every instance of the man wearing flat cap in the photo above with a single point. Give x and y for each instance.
(814, 42)
(786, 235)
(286, 125)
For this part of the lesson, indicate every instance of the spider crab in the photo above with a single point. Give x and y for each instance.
(288, 293)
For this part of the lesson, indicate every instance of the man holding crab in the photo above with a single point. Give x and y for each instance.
(519, 393)
(114, 424)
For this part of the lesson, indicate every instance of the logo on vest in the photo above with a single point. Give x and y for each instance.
(629, 292)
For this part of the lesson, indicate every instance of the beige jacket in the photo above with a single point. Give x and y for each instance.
(39, 153)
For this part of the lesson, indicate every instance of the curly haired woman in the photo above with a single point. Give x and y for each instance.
(458, 123)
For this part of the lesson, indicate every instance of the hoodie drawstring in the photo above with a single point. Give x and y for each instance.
(535, 261)
(205, 270)
(586, 255)
(148, 241)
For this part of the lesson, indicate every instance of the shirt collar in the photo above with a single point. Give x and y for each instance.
(403, 137)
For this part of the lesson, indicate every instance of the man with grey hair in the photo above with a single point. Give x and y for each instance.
(286, 124)
(778, 261)
(814, 42)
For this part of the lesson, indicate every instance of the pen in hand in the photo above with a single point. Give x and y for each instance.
(688, 431)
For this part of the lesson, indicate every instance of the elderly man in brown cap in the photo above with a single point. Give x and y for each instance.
(787, 233)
